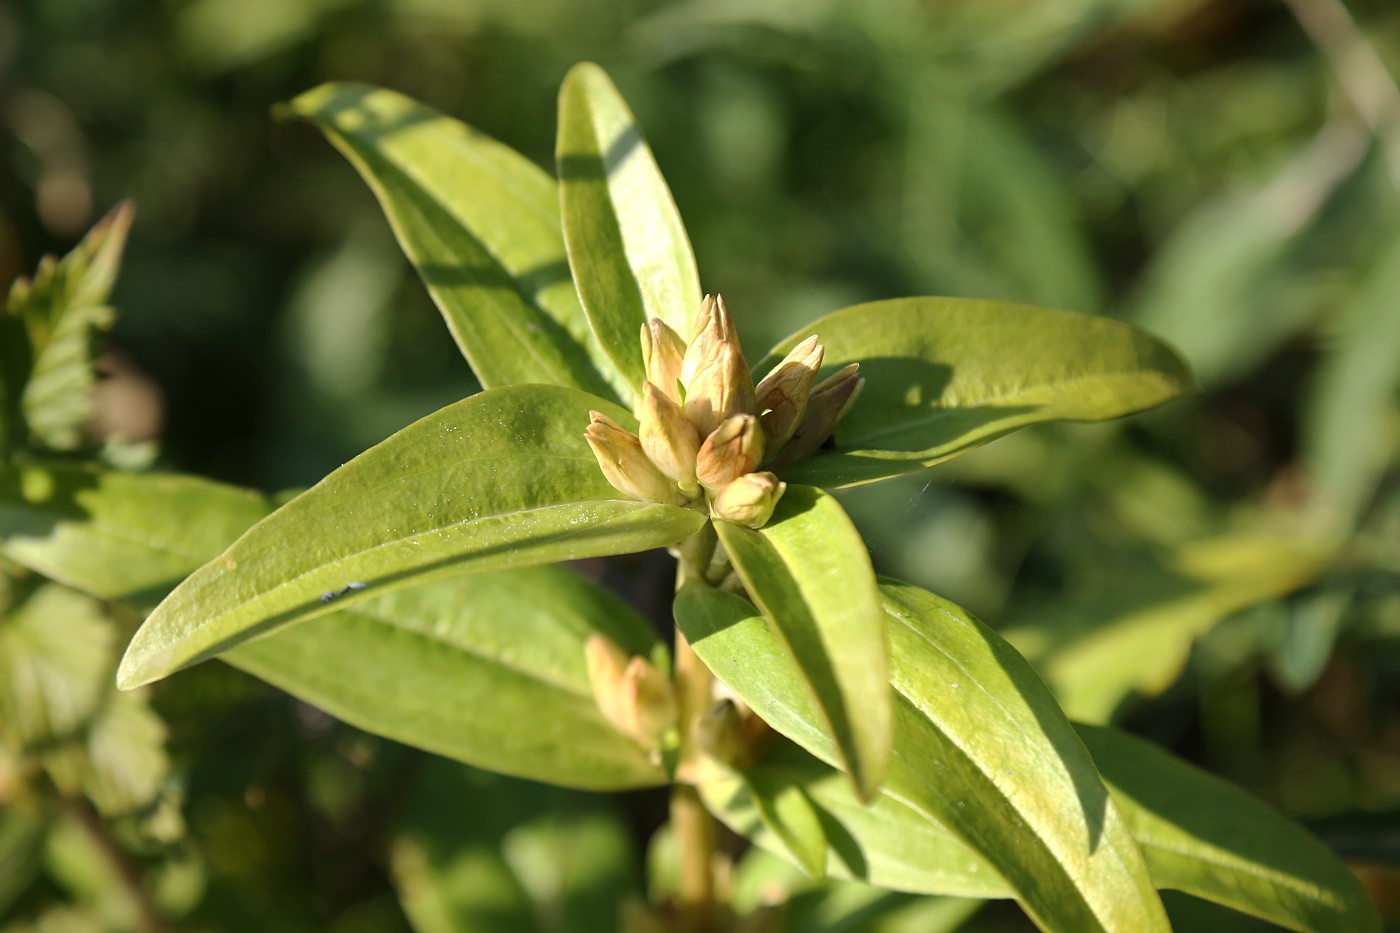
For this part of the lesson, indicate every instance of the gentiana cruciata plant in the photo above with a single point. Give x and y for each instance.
(857, 727)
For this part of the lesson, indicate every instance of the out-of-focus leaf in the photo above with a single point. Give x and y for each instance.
(945, 375)
(487, 669)
(1350, 419)
(1134, 634)
(22, 831)
(627, 247)
(481, 853)
(1222, 287)
(1307, 631)
(126, 762)
(810, 574)
(55, 665)
(1206, 837)
(120, 536)
(480, 223)
(502, 479)
(980, 749)
(46, 364)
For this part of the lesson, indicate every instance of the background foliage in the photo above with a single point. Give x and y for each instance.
(1220, 576)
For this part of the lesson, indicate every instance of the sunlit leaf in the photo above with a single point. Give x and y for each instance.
(480, 223)
(502, 479)
(946, 375)
(628, 250)
(810, 574)
(980, 749)
(1206, 837)
(488, 669)
(791, 817)
(126, 763)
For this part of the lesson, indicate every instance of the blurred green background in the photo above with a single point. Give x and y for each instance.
(1222, 575)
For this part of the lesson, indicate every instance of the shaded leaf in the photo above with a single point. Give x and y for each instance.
(792, 819)
(810, 574)
(944, 376)
(627, 247)
(980, 749)
(496, 664)
(1207, 837)
(56, 653)
(119, 536)
(480, 223)
(502, 479)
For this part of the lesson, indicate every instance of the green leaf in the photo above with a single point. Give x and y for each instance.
(1349, 420)
(628, 250)
(22, 831)
(792, 818)
(126, 764)
(496, 663)
(49, 338)
(480, 223)
(980, 748)
(118, 536)
(55, 666)
(810, 574)
(502, 479)
(475, 852)
(1133, 635)
(1208, 838)
(944, 376)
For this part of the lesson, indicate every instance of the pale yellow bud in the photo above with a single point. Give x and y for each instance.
(782, 395)
(631, 693)
(731, 450)
(626, 465)
(713, 326)
(662, 353)
(720, 388)
(749, 499)
(829, 402)
(668, 437)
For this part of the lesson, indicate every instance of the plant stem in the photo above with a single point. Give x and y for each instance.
(148, 918)
(693, 824)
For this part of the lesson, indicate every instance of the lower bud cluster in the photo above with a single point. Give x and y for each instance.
(706, 429)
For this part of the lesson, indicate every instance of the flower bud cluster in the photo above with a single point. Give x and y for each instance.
(635, 697)
(706, 429)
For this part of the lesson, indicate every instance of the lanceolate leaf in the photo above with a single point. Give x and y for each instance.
(628, 250)
(1206, 837)
(980, 749)
(480, 222)
(502, 479)
(1197, 833)
(487, 669)
(810, 573)
(946, 375)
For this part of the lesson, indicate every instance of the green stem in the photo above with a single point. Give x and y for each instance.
(692, 823)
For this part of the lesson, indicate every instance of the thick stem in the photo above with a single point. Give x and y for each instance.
(693, 824)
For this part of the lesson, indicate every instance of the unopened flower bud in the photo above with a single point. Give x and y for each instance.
(662, 353)
(782, 395)
(732, 449)
(630, 692)
(712, 327)
(828, 404)
(720, 388)
(732, 735)
(668, 437)
(749, 500)
(626, 465)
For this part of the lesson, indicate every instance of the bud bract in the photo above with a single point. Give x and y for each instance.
(781, 398)
(732, 449)
(828, 404)
(668, 437)
(626, 465)
(662, 353)
(749, 499)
